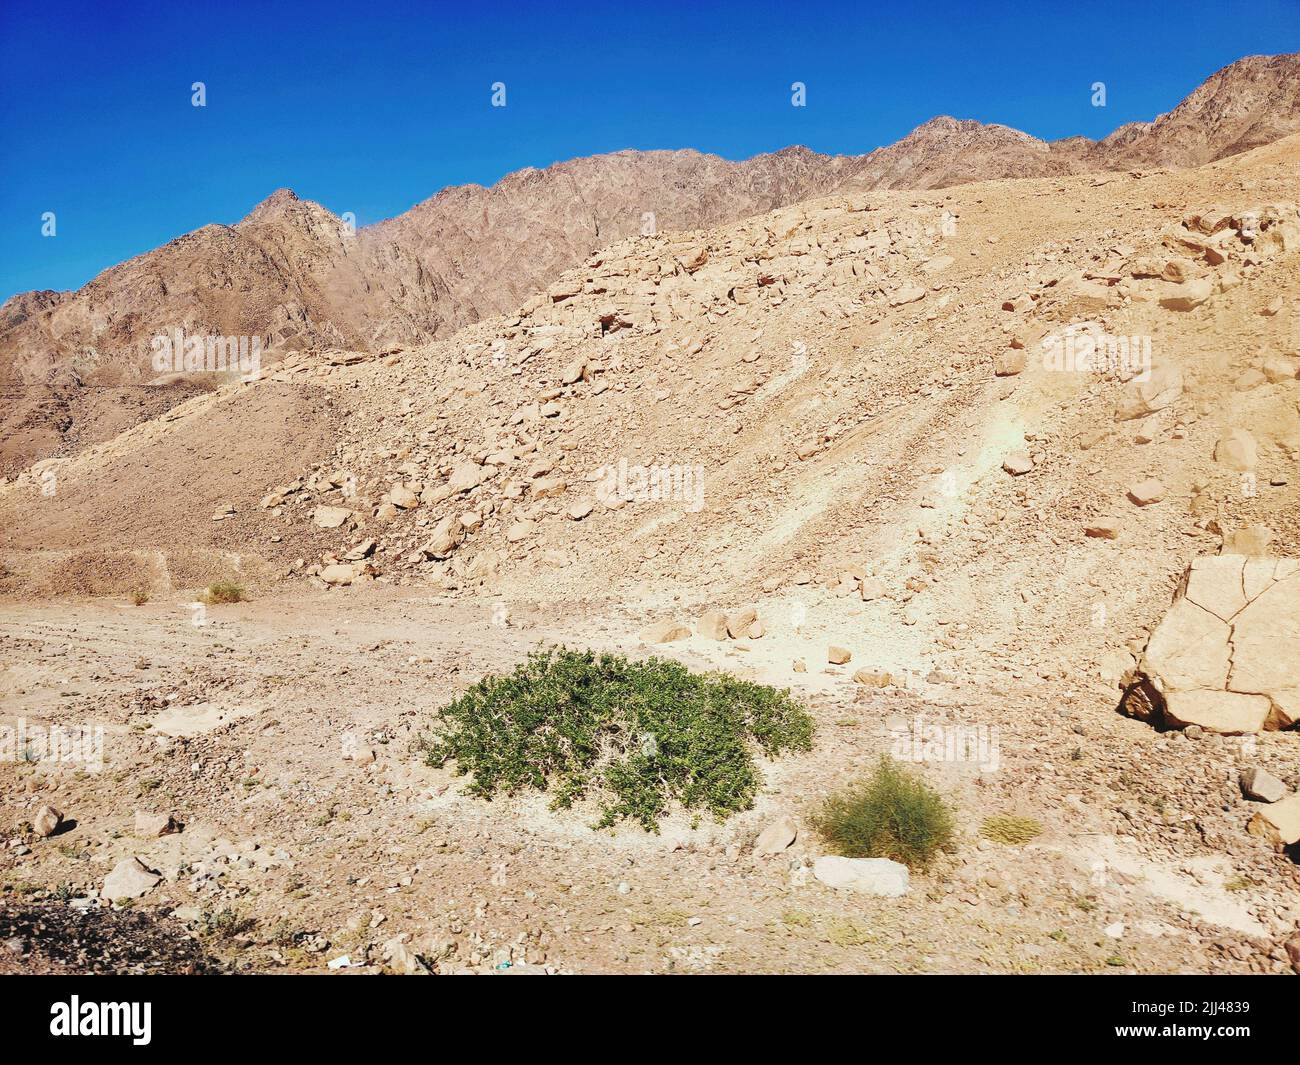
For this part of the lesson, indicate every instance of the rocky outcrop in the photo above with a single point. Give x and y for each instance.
(1226, 657)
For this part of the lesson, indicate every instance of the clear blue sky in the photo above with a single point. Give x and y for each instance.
(372, 107)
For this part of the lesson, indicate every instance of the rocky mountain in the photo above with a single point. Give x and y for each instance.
(296, 277)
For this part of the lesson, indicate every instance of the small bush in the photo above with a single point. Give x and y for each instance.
(1008, 828)
(225, 592)
(892, 814)
(139, 596)
(635, 735)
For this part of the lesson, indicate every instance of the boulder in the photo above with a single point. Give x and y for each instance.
(1236, 450)
(130, 879)
(1104, 528)
(1009, 363)
(1146, 492)
(1261, 785)
(1018, 463)
(447, 534)
(1226, 655)
(1278, 822)
(741, 621)
(875, 876)
(712, 625)
(47, 821)
(777, 836)
(1188, 295)
(838, 656)
(402, 497)
(330, 517)
(1162, 386)
(151, 825)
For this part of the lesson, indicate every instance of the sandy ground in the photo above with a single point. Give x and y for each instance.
(292, 855)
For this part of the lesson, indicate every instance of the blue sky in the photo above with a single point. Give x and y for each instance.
(371, 108)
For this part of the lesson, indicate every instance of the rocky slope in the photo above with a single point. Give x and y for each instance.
(293, 275)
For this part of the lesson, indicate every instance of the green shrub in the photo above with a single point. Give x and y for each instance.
(892, 814)
(225, 592)
(634, 735)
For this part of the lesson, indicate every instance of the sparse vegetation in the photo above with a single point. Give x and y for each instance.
(139, 596)
(225, 592)
(1010, 829)
(893, 814)
(636, 736)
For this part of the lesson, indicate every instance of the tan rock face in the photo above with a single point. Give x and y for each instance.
(1226, 656)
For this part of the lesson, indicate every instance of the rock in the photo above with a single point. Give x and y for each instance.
(129, 879)
(665, 632)
(1279, 822)
(712, 625)
(447, 534)
(740, 622)
(1009, 363)
(838, 656)
(1222, 712)
(47, 821)
(1292, 948)
(1188, 295)
(401, 496)
(777, 836)
(330, 517)
(1105, 528)
(872, 678)
(871, 588)
(338, 574)
(1281, 368)
(799, 666)
(579, 510)
(875, 876)
(1018, 463)
(465, 475)
(1226, 655)
(1249, 381)
(1261, 785)
(519, 531)
(151, 826)
(1236, 450)
(546, 487)
(1162, 387)
(1144, 493)
(907, 294)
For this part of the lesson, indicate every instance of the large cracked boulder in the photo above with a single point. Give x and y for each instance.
(1226, 656)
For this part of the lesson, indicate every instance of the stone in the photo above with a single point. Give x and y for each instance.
(777, 836)
(47, 821)
(519, 531)
(1104, 528)
(129, 879)
(1278, 822)
(573, 372)
(1293, 953)
(1188, 649)
(872, 588)
(402, 497)
(1236, 449)
(665, 632)
(712, 625)
(1281, 368)
(1163, 385)
(151, 825)
(1188, 295)
(579, 510)
(907, 294)
(447, 534)
(740, 622)
(1223, 712)
(1261, 785)
(338, 574)
(875, 876)
(1146, 492)
(838, 656)
(330, 517)
(872, 678)
(1009, 363)
(1018, 463)
(466, 475)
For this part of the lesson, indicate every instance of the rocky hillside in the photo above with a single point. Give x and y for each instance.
(293, 274)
